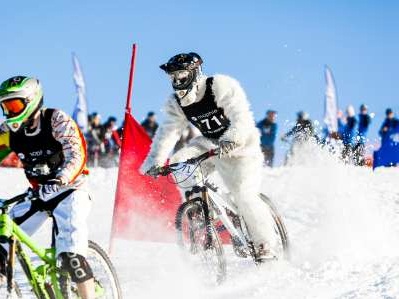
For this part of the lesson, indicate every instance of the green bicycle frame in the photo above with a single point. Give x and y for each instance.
(38, 277)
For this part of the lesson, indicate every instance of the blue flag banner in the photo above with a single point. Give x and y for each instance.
(331, 106)
(80, 113)
(388, 154)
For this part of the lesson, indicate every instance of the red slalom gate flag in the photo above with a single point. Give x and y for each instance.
(145, 207)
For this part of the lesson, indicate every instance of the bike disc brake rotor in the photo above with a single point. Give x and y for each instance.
(192, 227)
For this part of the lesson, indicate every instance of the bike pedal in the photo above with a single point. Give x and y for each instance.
(265, 259)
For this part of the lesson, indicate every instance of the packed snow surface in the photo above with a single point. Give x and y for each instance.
(343, 224)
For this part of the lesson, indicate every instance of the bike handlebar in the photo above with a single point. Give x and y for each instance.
(165, 170)
(20, 197)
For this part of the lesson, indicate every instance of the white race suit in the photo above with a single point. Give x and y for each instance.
(241, 170)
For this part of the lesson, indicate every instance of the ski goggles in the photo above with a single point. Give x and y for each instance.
(13, 107)
(181, 78)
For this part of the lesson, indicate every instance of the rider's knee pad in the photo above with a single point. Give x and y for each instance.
(77, 266)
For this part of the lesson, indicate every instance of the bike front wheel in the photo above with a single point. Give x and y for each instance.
(105, 278)
(15, 294)
(197, 235)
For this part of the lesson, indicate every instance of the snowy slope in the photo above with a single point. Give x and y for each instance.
(343, 224)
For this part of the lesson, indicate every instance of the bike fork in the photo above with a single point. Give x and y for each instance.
(205, 207)
(10, 265)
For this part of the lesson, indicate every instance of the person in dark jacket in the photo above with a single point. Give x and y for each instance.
(112, 141)
(268, 133)
(363, 127)
(390, 122)
(300, 134)
(364, 123)
(150, 124)
(95, 139)
(303, 129)
(348, 132)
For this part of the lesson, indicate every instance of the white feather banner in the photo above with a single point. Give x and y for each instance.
(331, 102)
(80, 113)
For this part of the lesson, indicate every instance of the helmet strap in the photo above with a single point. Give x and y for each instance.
(30, 122)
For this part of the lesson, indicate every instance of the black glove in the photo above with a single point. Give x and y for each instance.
(226, 147)
(154, 171)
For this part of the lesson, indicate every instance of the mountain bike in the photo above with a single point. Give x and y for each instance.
(45, 278)
(206, 212)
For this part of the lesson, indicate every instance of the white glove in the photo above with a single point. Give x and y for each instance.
(226, 147)
(50, 188)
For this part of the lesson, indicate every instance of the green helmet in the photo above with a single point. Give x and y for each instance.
(20, 98)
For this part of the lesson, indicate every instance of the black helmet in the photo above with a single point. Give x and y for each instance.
(111, 119)
(183, 61)
(302, 115)
(363, 107)
(184, 70)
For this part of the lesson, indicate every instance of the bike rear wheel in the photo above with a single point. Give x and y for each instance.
(106, 280)
(279, 226)
(197, 235)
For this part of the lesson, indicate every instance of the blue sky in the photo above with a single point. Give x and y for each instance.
(276, 49)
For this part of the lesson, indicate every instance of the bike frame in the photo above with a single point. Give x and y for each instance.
(39, 276)
(215, 201)
(218, 205)
(221, 205)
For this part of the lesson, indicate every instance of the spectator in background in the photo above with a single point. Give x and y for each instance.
(188, 133)
(268, 133)
(300, 134)
(390, 122)
(303, 129)
(347, 126)
(112, 140)
(150, 124)
(363, 127)
(119, 131)
(364, 123)
(94, 138)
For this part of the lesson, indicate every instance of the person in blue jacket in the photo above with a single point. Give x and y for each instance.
(390, 122)
(348, 132)
(388, 154)
(268, 133)
(363, 127)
